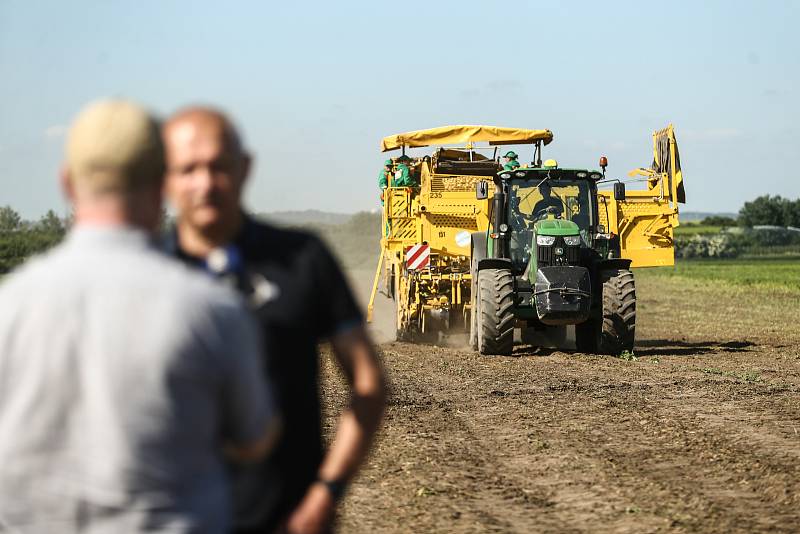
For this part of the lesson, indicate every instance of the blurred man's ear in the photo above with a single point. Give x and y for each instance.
(66, 184)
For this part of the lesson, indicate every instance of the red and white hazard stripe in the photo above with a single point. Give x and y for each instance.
(418, 257)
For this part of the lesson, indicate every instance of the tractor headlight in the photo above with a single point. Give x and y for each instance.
(572, 240)
(503, 227)
(545, 240)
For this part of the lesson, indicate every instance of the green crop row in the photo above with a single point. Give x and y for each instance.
(690, 229)
(768, 271)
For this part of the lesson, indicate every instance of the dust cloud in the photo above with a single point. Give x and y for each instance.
(382, 327)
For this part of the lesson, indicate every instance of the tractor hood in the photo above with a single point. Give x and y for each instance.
(556, 227)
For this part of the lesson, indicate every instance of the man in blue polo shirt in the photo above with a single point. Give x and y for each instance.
(300, 298)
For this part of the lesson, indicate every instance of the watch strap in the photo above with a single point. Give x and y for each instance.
(335, 487)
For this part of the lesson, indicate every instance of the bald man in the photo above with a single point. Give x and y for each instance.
(122, 373)
(300, 298)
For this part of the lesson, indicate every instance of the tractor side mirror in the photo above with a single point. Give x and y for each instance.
(482, 190)
(619, 191)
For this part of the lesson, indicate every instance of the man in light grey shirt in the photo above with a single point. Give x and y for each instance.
(122, 375)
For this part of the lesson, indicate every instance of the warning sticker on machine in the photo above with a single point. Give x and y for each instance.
(418, 257)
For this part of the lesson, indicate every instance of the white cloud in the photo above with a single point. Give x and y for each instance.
(504, 85)
(592, 144)
(495, 88)
(712, 134)
(56, 131)
(618, 145)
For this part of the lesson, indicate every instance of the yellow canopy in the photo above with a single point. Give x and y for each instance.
(450, 135)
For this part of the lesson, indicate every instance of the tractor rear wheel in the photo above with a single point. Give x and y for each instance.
(611, 330)
(495, 313)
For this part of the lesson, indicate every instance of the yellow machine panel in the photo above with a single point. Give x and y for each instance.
(645, 220)
(440, 214)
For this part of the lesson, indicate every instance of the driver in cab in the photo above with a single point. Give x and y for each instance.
(549, 203)
(518, 220)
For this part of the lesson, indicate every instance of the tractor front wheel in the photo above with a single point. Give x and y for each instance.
(611, 330)
(495, 313)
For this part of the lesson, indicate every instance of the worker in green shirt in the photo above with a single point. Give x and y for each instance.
(402, 174)
(385, 175)
(401, 178)
(511, 161)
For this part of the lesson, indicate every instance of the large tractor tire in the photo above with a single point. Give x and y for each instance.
(495, 313)
(611, 330)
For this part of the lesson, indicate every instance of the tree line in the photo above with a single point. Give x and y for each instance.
(770, 211)
(766, 210)
(20, 239)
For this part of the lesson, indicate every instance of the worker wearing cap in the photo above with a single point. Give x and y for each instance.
(385, 175)
(511, 161)
(402, 174)
(123, 372)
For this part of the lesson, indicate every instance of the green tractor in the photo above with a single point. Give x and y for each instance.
(547, 262)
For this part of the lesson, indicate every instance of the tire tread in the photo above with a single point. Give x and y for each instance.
(496, 294)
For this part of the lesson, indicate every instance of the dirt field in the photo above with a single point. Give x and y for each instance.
(701, 433)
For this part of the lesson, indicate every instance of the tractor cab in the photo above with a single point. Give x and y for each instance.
(545, 223)
(550, 211)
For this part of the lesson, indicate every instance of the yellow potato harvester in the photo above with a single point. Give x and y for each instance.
(474, 247)
(439, 216)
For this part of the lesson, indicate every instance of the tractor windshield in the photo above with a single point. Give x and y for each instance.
(559, 199)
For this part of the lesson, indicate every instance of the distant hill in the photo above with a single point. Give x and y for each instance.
(700, 215)
(305, 217)
(353, 237)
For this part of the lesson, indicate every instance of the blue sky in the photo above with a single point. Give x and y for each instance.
(315, 85)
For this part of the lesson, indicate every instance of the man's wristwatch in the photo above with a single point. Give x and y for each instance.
(335, 487)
